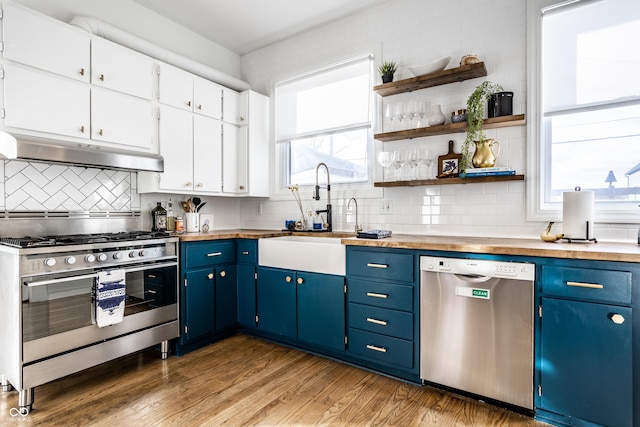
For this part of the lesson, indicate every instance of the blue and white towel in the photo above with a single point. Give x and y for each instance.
(109, 297)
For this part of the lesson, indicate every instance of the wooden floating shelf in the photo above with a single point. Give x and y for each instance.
(492, 123)
(452, 75)
(447, 181)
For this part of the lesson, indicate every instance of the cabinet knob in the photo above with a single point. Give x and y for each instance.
(223, 273)
(188, 103)
(199, 184)
(100, 132)
(242, 187)
(210, 276)
(288, 279)
(199, 107)
(618, 319)
(300, 280)
(101, 78)
(189, 184)
(82, 71)
(81, 129)
(242, 118)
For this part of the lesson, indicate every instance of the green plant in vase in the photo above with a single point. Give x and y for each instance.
(387, 69)
(475, 118)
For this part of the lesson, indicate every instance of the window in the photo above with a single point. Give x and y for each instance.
(325, 117)
(585, 104)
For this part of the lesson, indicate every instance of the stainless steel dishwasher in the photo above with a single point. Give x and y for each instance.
(476, 327)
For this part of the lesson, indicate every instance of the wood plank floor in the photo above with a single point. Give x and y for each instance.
(245, 381)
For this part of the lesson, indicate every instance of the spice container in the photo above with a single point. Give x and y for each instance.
(179, 224)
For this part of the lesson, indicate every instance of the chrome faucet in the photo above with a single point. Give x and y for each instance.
(316, 195)
(358, 227)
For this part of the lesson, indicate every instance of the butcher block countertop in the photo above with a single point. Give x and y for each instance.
(601, 251)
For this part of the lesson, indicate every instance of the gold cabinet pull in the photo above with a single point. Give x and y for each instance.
(101, 78)
(618, 319)
(242, 187)
(376, 321)
(585, 285)
(210, 276)
(300, 280)
(245, 252)
(223, 273)
(199, 184)
(214, 254)
(376, 348)
(288, 279)
(189, 184)
(376, 295)
(374, 265)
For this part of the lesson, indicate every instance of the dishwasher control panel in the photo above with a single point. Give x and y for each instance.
(478, 267)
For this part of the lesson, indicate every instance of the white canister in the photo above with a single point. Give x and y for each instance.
(192, 220)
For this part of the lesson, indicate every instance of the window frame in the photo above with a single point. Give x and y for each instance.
(538, 152)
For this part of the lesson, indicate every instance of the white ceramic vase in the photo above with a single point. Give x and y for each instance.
(436, 117)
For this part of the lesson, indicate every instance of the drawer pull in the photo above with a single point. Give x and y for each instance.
(375, 295)
(618, 319)
(376, 348)
(151, 291)
(376, 321)
(245, 252)
(585, 285)
(215, 254)
(374, 265)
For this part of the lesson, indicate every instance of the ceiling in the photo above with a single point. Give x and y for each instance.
(246, 25)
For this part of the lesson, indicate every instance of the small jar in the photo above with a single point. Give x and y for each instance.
(179, 224)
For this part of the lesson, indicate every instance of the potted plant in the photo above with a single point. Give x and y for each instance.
(386, 70)
(475, 118)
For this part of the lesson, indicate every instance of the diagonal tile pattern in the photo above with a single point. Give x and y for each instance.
(26, 186)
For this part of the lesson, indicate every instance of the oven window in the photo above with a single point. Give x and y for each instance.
(62, 305)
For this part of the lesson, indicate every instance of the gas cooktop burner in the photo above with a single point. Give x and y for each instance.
(78, 239)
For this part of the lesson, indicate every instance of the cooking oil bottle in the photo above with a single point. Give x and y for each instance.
(159, 218)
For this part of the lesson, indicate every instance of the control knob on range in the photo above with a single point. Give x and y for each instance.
(90, 258)
(102, 257)
(141, 253)
(132, 254)
(50, 262)
(117, 255)
(70, 260)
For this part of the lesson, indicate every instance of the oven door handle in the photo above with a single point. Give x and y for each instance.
(95, 275)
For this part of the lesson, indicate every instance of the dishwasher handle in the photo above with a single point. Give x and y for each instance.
(472, 278)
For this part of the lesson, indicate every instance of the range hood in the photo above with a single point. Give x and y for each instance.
(97, 157)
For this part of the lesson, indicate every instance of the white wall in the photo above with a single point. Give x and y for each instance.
(412, 32)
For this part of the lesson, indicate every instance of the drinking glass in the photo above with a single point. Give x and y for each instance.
(399, 114)
(384, 159)
(390, 114)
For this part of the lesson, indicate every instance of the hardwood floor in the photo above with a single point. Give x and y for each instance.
(245, 381)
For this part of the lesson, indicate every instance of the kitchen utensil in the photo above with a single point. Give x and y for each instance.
(200, 206)
(196, 201)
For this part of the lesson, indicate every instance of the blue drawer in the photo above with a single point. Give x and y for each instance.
(393, 323)
(380, 265)
(387, 350)
(587, 284)
(201, 254)
(247, 251)
(385, 295)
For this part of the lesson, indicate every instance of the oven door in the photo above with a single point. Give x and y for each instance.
(58, 310)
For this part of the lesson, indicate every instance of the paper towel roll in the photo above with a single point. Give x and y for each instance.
(577, 214)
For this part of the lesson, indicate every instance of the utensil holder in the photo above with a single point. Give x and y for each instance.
(193, 222)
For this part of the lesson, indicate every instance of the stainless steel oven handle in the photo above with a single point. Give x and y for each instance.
(94, 275)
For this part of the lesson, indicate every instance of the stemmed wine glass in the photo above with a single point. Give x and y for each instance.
(389, 113)
(385, 160)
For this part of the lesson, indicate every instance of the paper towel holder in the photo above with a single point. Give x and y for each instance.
(587, 230)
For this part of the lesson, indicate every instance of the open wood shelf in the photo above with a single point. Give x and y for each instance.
(452, 75)
(492, 123)
(446, 181)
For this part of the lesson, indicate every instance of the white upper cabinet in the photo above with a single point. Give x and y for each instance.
(176, 147)
(122, 119)
(45, 43)
(63, 111)
(230, 106)
(234, 159)
(207, 154)
(207, 98)
(121, 69)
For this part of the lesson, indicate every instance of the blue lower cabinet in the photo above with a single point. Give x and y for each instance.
(247, 308)
(226, 305)
(198, 315)
(277, 301)
(389, 351)
(586, 361)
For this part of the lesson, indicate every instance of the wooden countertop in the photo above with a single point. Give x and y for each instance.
(601, 251)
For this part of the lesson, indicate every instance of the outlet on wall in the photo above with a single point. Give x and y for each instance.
(258, 207)
(386, 207)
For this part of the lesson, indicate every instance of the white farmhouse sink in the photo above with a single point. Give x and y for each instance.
(303, 253)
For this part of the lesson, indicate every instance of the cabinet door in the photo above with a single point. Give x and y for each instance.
(43, 42)
(122, 119)
(586, 361)
(231, 106)
(199, 303)
(176, 147)
(119, 68)
(234, 159)
(226, 296)
(207, 98)
(46, 103)
(321, 309)
(175, 87)
(257, 134)
(207, 154)
(277, 301)
(247, 295)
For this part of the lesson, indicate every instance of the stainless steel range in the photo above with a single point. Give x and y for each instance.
(48, 303)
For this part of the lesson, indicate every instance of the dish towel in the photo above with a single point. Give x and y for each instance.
(109, 297)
